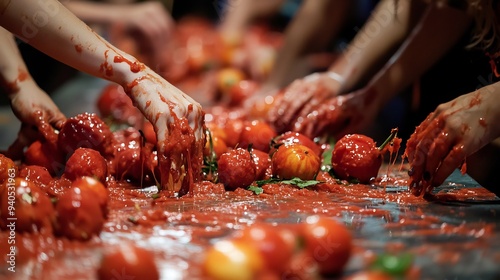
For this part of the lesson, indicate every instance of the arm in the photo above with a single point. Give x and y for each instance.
(315, 25)
(64, 37)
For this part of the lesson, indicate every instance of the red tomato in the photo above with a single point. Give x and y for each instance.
(86, 131)
(301, 267)
(233, 129)
(79, 215)
(86, 162)
(31, 206)
(236, 169)
(44, 155)
(356, 156)
(259, 134)
(8, 168)
(328, 242)
(268, 241)
(291, 137)
(218, 145)
(99, 191)
(295, 160)
(230, 259)
(262, 164)
(36, 174)
(241, 91)
(128, 261)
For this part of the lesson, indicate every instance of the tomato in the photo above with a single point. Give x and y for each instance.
(8, 168)
(241, 91)
(231, 259)
(356, 156)
(301, 267)
(295, 160)
(236, 169)
(149, 132)
(259, 134)
(291, 137)
(272, 246)
(262, 164)
(233, 129)
(328, 242)
(129, 262)
(85, 131)
(44, 155)
(227, 78)
(79, 215)
(95, 187)
(86, 162)
(370, 275)
(133, 161)
(32, 207)
(261, 108)
(36, 174)
(218, 145)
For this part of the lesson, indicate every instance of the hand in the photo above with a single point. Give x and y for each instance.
(178, 122)
(298, 100)
(452, 132)
(38, 114)
(340, 115)
(150, 25)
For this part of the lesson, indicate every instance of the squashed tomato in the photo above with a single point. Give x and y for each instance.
(130, 261)
(236, 169)
(86, 162)
(31, 206)
(272, 246)
(36, 174)
(230, 259)
(328, 242)
(356, 156)
(79, 215)
(258, 134)
(8, 169)
(295, 161)
(87, 131)
(42, 154)
(99, 191)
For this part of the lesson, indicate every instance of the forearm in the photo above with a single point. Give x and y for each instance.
(439, 30)
(315, 25)
(54, 30)
(381, 35)
(13, 71)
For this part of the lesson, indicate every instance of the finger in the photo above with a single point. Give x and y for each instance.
(412, 142)
(421, 152)
(438, 151)
(452, 161)
(317, 98)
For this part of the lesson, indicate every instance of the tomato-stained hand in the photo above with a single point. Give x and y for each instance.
(297, 101)
(455, 130)
(178, 121)
(39, 115)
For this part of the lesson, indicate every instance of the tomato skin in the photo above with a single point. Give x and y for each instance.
(295, 160)
(236, 169)
(262, 164)
(233, 129)
(130, 261)
(241, 91)
(79, 215)
(259, 134)
(42, 154)
(228, 78)
(36, 174)
(94, 186)
(232, 259)
(271, 245)
(291, 137)
(356, 156)
(85, 131)
(7, 168)
(219, 147)
(328, 242)
(33, 208)
(86, 162)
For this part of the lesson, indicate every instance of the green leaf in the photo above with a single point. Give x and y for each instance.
(393, 264)
(326, 164)
(257, 190)
(261, 183)
(155, 196)
(301, 183)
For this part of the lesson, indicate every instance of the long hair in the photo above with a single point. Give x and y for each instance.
(485, 32)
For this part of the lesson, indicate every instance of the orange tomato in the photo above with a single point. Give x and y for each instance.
(295, 160)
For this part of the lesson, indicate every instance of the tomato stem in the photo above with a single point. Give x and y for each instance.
(394, 133)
